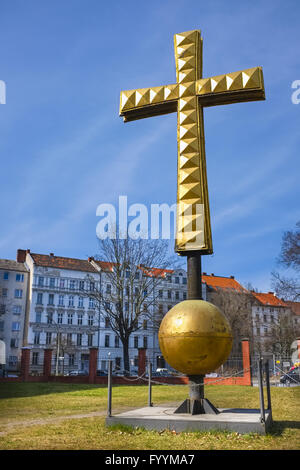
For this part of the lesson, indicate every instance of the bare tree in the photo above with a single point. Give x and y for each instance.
(237, 308)
(281, 336)
(288, 286)
(133, 269)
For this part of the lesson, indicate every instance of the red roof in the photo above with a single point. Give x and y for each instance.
(221, 282)
(51, 261)
(269, 299)
(294, 306)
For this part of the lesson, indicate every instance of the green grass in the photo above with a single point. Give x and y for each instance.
(39, 416)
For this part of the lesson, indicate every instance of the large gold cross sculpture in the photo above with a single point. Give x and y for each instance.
(188, 97)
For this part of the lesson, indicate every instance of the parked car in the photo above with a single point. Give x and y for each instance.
(102, 373)
(160, 372)
(78, 372)
(291, 377)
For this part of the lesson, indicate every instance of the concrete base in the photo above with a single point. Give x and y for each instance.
(243, 421)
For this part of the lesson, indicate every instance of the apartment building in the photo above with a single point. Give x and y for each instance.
(13, 298)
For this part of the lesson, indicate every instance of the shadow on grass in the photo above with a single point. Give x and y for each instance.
(278, 427)
(28, 389)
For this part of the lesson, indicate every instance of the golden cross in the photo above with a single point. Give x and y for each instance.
(188, 97)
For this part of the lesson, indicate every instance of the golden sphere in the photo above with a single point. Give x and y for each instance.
(195, 337)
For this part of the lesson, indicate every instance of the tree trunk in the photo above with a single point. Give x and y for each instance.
(125, 343)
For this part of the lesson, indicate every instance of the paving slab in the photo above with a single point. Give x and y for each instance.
(158, 418)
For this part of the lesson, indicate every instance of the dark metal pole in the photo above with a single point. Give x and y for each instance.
(268, 385)
(261, 391)
(109, 387)
(150, 384)
(194, 275)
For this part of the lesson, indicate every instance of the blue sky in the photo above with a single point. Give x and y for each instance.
(64, 149)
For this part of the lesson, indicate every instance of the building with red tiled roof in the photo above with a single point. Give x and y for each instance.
(221, 282)
(269, 299)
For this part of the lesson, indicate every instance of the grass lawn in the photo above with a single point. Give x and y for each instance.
(72, 416)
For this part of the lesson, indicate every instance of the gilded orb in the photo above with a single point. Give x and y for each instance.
(195, 337)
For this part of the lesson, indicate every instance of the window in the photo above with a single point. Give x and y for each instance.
(145, 292)
(12, 361)
(169, 294)
(106, 341)
(20, 277)
(145, 341)
(177, 295)
(52, 282)
(71, 300)
(145, 324)
(107, 323)
(184, 295)
(92, 286)
(39, 299)
(69, 339)
(50, 318)
(38, 317)
(136, 342)
(51, 299)
(1, 325)
(184, 280)
(72, 284)
(70, 318)
(176, 280)
(108, 288)
(71, 359)
(127, 274)
(137, 276)
(81, 285)
(35, 358)
(18, 293)
(62, 283)
(41, 281)
(15, 326)
(126, 307)
(169, 278)
(117, 342)
(2, 309)
(160, 294)
(59, 317)
(79, 339)
(91, 302)
(90, 320)
(160, 308)
(4, 292)
(6, 276)
(61, 300)
(79, 319)
(14, 342)
(90, 340)
(17, 309)
(48, 337)
(36, 339)
(80, 302)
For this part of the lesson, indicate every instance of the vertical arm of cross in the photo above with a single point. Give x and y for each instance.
(193, 217)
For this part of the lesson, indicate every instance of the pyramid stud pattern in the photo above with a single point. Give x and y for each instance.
(188, 97)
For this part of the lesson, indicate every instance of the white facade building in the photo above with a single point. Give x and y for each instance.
(13, 298)
(59, 304)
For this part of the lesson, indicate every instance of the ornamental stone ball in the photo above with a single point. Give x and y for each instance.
(195, 337)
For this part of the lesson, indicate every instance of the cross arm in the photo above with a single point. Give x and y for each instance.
(236, 87)
(148, 102)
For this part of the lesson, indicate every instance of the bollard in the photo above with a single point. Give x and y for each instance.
(150, 384)
(109, 387)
